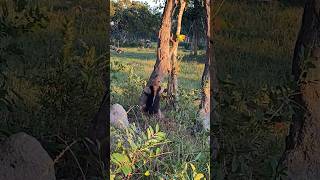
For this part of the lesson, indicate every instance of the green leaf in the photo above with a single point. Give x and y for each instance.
(132, 144)
(126, 169)
(198, 157)
(120, 158)
(161, 134)
(151, 131)
(157, 151)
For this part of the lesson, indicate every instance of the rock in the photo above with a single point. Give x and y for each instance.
(118, 116)
(22, 157)
(204, 118)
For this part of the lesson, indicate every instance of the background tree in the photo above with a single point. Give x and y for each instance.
(133, 21)
(194, 15)
(302, 146)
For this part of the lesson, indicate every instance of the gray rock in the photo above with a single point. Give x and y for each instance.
(118, 116)
(23, 158)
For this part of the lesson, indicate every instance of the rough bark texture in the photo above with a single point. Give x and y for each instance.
(213, 81)
(205, 80)
(173, 79)
(162, 64)
(303, 143)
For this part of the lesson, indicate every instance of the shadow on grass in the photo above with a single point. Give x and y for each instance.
(252, 69)
(201, 58)
(141, 55)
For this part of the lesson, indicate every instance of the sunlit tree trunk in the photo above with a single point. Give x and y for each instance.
(209, 81)
(303, 143)
(173, 79)
(162, 65)
(205, 80)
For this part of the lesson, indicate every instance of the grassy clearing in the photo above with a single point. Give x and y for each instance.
(256, 43)
(130, 71)
(253, 52)
(254, 47)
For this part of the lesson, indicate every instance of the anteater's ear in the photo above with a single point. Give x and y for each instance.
(147, 90)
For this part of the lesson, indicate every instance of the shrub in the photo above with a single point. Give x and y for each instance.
(133, 153)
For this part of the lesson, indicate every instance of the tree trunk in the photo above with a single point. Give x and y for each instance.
(162, 64)
(303, 143)
(210, 85)
(205, 80)
(195, 27)
(195, 37)
(173, 80)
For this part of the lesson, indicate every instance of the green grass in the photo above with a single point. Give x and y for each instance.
(256, 45)
(254, 48)
(126, 86)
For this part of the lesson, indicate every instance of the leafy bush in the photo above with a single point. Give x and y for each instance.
(134, 153)
(252, 131)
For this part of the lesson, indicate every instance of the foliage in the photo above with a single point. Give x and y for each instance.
(52, 55)
(133, 22)
(12, 24)
(70, 83)
(135, 152)
(54, 64)
(194, 12)
(255, 48)
(252, 131)
(129, 72)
